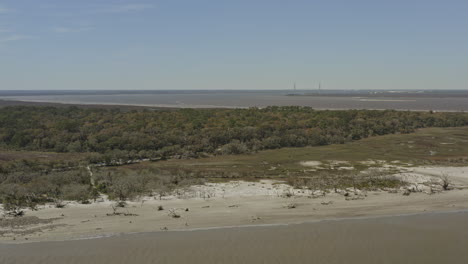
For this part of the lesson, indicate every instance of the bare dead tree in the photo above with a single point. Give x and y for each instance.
(445, 182)
(173, 213)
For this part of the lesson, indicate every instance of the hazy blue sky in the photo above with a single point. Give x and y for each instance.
(233, 44)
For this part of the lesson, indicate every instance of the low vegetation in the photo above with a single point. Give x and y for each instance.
(29, 188)
(339, 181)
(122, 184)
(450, 146)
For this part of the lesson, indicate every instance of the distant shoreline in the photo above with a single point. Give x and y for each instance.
(284, 92)
(112, 105)
(5, 103)
(15, 102)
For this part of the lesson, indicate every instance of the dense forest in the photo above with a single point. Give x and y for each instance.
(109, 136)
(191, 133)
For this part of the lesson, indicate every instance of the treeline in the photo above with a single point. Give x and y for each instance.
(191, 133)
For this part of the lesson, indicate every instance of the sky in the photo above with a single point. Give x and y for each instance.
(233, 44)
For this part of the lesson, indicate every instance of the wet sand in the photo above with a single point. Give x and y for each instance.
(425, 238)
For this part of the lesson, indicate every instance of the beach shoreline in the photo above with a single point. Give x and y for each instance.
(421, 238)
(239, 204)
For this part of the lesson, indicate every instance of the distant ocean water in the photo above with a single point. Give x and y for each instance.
(447, 101)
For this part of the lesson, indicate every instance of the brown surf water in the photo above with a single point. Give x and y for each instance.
(427, 238)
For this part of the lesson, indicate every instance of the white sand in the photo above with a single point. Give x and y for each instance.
(458, 175)
(311, 163)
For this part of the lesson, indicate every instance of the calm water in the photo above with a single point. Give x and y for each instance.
(242, 99)
(428, 238)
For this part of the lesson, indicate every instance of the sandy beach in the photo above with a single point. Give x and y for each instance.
(255, 222)
(238, 203)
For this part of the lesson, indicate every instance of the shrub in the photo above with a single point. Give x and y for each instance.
(14, 198)
(235, 147)
(76, 192)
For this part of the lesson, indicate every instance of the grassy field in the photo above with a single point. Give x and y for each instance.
(442, 146)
